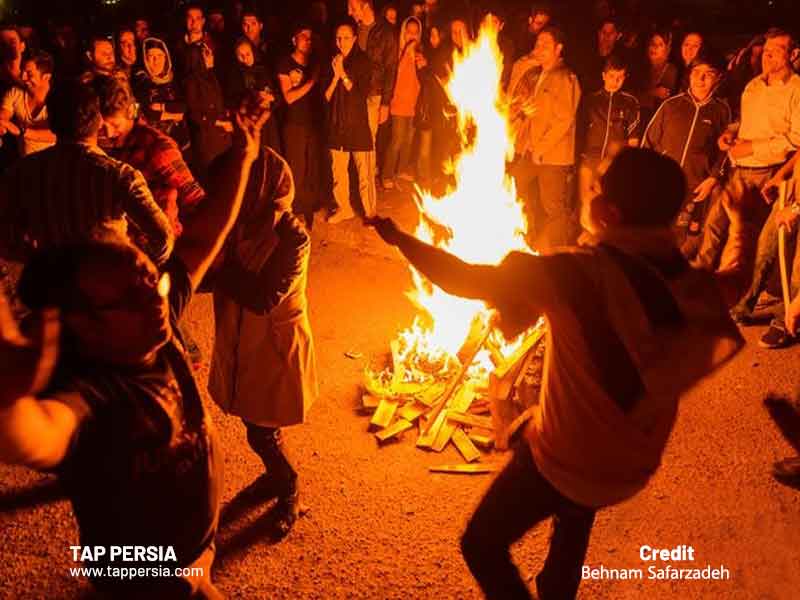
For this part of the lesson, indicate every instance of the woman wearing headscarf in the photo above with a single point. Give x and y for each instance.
(160, 97)
(661, 76)
(209, 125)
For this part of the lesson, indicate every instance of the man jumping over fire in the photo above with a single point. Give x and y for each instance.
(631, 329)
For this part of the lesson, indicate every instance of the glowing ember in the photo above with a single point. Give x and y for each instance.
(481, 215)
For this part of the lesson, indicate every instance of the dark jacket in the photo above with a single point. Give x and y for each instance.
(205, 107)
(687, 132)
(348, 123)
(148, 92)
(242, 79)
(383, 53)
(608, 120)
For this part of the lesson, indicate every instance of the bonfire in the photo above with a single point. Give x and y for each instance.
(452, 373)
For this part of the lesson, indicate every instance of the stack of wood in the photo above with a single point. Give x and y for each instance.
(463, 406)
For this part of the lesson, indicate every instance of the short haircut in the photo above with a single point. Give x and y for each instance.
(648, 188)
(709, 58)
(9, 27)
(193, 6)
(300, 26)
(251, 11)
(50, 277)
(776, 32)
(98, 38)
(113, 93)
(73, 110)
(612, 20)
(614, 62)
(542, 9)
(126, 28)
(556, 33)
(43, 61)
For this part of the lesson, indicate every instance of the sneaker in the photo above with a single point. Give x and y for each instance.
(787, 471)
(741, 316)
(775, 337)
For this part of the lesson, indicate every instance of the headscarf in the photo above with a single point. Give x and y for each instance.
(166, 75)
(403, 42)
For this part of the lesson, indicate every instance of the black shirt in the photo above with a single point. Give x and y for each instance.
(302, 111)
(143, 467)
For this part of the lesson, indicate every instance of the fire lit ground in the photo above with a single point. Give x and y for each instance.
(380, 525)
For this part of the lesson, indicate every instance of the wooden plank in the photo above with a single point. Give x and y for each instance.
(384, 413)
(426, 438)
(472, 468)
(482, 439)
(429, 395)
(459, 403)
(480, 407)
(369, 401)
(520, 352)
(399, 426)
(411, 411)
(469, 419)
(465, 446)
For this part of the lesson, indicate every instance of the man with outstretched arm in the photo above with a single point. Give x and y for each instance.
(104, 397)
(631, 328)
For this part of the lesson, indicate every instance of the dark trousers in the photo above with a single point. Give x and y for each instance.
(267, 443)
(516, 501)
(546, 191)
(303, 153)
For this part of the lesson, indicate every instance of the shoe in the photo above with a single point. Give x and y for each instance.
(388, 184)
(787, 471)
(742, 316)
(406, 177)
(286, 512)
(775, 337)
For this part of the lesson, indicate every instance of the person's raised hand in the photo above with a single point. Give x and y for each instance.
(26, 364)
(249, 123)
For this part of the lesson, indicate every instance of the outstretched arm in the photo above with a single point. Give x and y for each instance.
(33, 432)
(450, 273)
(207, 227)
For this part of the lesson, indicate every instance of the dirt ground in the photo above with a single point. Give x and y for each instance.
(381, 526)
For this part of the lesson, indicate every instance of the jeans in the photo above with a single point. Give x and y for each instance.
(546, 191)
(365, 166)
(733, 222)
(399, 151)
(304, 155)
(373, 115)
(516, 501)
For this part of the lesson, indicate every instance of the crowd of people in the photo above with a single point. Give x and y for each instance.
(142, 167)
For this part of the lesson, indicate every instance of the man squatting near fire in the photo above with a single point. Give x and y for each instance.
(631, 328)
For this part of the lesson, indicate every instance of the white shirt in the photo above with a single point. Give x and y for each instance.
(16, 102)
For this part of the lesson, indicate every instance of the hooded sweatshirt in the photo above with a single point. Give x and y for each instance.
(406, 88)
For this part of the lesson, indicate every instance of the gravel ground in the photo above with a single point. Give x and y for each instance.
(380, 526)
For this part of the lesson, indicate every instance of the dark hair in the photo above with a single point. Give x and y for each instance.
(556, 33)
(541, 9)
(50, 276)
(776, 32)
(664, 34)
(113, 93)
(614, 62)
(73, 110)
(9, 27)
(44, 61)
(648, 188)
(193, 6)
(349, 24)
(613, 20)
(300, 26)
(707, 57)
(125, 28)
(98, 38)
(251, 11)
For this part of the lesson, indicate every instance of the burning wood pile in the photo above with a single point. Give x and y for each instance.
(455, 379)
(456, 399)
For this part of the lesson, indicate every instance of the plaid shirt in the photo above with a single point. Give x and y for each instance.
(160, 160)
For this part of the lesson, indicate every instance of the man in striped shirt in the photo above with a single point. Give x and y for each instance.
(73, 191)
(631, 329)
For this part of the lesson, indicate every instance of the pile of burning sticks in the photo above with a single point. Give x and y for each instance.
(452, 400)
